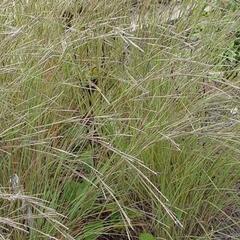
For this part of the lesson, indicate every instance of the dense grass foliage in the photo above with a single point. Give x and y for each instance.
(119, 119)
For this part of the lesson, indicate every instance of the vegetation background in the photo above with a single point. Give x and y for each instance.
(119, 119)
